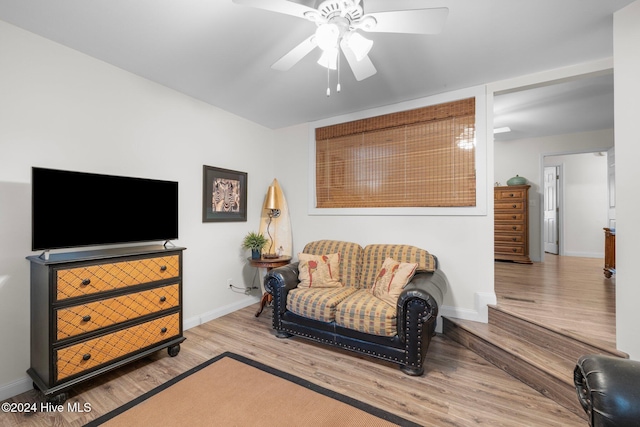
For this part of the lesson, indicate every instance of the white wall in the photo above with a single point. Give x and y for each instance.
(585, 203)
(626, 39)
(62, 109)
(525, 158)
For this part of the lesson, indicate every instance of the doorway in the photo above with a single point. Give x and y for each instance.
(575, 208)
(550, 227)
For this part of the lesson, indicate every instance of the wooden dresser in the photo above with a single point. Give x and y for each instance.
(511, 219)
(94, 311)
(609, 252)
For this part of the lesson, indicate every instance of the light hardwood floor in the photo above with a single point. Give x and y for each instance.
(459, 388)
(569, 293)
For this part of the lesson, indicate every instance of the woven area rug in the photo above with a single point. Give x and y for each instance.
(232, 390)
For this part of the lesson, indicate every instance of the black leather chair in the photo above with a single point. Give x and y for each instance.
(609, 390)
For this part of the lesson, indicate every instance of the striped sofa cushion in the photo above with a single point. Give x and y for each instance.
(350, 258)
(317, 303)
(374, 256)
(365, 313)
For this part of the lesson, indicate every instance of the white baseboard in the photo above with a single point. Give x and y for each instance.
(479, 314)
(585, 254)
(192, 322)
(15, 388)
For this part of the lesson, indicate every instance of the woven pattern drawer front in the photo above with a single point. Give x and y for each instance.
(89, 354)
(91, 279)
(83, 318)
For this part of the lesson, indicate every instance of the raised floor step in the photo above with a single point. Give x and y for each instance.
(545, 370)
(561, 342)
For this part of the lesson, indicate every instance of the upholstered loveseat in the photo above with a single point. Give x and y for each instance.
(381, 300)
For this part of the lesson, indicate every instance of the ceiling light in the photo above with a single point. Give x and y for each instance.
(502, 130)
(467, 138)
(327, 36)
(329, 59)
(358, 44)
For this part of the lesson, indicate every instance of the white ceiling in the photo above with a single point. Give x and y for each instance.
(221, 53)
(581, 105)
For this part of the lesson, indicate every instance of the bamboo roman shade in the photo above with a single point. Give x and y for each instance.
(418, 158)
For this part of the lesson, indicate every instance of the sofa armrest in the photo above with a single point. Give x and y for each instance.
(279, 281)
(430, 288)
(607, 389)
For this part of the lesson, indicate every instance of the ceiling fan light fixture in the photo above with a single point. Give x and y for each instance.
(502, 130)
(360, 45)
(327, 36)
(329, 58)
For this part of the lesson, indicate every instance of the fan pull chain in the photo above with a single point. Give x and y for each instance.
(338, 86)
(328, 82)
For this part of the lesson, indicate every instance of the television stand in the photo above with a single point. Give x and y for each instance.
(94, 311)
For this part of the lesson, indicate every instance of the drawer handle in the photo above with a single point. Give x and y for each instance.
(163, 330)
(85, 282)
(86, 357)
(86, 318)
(514, 250)
(511, 195)
(514, 206)
(514, 217)
(163, 268)
(514, 227)
(163, 299)
(514, 239)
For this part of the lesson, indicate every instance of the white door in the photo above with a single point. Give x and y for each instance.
(551, 209)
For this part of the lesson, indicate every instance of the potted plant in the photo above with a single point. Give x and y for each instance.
(255, 242)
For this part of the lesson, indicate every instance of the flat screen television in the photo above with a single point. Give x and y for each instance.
(73, 209)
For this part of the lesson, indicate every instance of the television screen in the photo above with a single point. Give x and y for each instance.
(72, 209)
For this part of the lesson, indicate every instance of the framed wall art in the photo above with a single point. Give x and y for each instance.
(224, 195)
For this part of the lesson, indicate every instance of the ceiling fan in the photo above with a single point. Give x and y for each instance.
(338, 27)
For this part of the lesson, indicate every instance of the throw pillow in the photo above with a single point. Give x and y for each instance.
(391, 279)
(319, 271)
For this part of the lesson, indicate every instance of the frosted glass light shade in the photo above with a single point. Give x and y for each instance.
(359, 45)
(329, 59)
(327, 36)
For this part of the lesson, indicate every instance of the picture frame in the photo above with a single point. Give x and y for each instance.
(224, 195)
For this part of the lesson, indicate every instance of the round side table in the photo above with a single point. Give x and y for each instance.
(268, 263)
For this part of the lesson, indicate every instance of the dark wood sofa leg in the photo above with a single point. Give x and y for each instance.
(280, 334)
(410, 370)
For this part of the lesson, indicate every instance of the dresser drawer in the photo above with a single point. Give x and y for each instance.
(513, 216)
(514, 194)
(508, 238)
(91, 279)
(509, 249)
(83, 356)
(504, 228)
(501, 207)
(88, 317)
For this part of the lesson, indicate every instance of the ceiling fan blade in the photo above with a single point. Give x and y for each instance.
(280, 6)
(418, 21)
(295, 54)
(361, 69)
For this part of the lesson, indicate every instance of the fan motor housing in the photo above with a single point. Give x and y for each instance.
(351, 10)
